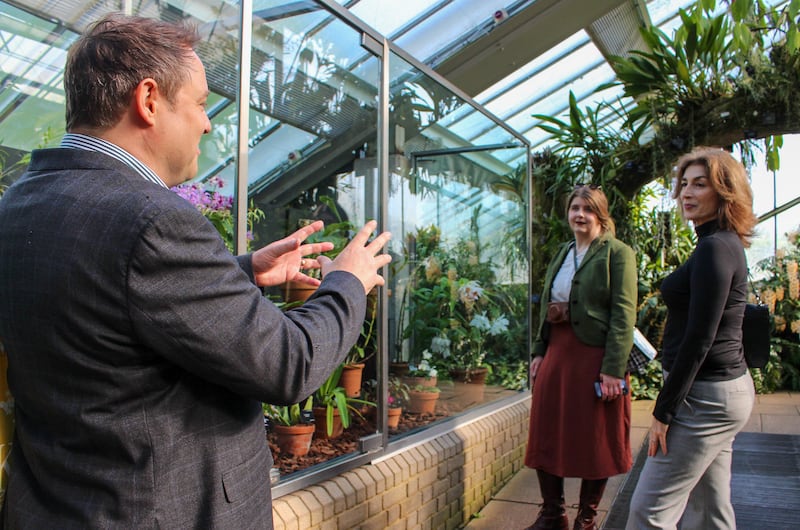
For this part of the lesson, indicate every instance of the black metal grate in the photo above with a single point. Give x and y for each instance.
(765, 483)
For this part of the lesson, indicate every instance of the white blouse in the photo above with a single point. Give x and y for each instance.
(562, 283)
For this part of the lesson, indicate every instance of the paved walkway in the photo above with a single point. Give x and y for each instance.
(515, 507)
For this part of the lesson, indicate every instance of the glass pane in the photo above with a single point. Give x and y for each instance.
(788, 223)
(763, 245)
(387, 17)
(451, 22)
(772, 236)
(773, 190)
(313, 120)
(787, 185)
(459, 282)
(32, 55)
(763, 184)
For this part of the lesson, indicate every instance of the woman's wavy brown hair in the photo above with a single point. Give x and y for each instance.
(598, 203)
(729, 180)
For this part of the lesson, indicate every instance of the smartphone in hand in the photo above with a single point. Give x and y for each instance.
(598, 391)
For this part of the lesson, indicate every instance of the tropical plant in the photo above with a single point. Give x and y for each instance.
(217, 208)
(725, 75)
(12, 165)
(507, 353)
(662, 241)
(397, 392)
(454, 309)
(592, 146)
(514, 238)
(333, 397)
(289, 414)
(365, 346)
(339, 232)
(468, 333)
(7, 169)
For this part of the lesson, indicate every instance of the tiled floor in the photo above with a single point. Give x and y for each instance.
(517, 504)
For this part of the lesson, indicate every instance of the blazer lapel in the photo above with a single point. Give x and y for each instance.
(593, 249)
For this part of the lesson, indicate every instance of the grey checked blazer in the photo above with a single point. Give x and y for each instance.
(139, 352)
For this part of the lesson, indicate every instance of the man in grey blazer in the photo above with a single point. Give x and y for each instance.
(139, 348)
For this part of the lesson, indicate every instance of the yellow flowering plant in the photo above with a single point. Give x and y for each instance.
(779, 289)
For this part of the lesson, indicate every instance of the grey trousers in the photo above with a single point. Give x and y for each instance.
(690, 486)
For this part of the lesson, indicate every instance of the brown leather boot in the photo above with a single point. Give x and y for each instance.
(591, 493)
(553, 515)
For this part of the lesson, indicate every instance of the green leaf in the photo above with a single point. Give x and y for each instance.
(691, 43)
(740, 9)
(792, 39)
(742, 37)
(794, 9)
(341, 404)
(773, 146)
(708, 5)
(574, 113)
(683, 74)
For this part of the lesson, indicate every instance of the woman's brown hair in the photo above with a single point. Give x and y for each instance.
(728, 178)
(598, 203)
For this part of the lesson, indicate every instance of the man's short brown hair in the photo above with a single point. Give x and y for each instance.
(113, 56)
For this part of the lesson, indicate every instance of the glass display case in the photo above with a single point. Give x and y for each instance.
(341, 126)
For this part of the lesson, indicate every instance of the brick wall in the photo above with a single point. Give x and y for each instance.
(438, 484)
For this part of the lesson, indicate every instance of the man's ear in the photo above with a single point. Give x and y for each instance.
(146, 98)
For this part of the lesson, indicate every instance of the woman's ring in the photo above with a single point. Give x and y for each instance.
(302, 263)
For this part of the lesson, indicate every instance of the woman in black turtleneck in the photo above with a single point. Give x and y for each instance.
(708, 392)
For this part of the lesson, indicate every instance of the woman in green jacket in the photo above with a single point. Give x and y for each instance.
(580, 413)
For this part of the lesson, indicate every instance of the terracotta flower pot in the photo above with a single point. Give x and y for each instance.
(297, 292)
(398, 368)
(350, 379)
(294, 439)
(321, 423)
(414, 381)
(422, 402)
(394, 417)
(476, 376)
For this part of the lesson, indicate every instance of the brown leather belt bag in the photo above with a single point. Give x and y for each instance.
(557, 312)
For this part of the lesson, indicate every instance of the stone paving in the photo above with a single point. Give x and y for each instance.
(515, 507)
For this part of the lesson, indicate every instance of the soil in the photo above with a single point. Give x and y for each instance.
(323, 450)
(453, 399)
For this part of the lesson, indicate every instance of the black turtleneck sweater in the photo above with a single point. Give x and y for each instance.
(705, 300)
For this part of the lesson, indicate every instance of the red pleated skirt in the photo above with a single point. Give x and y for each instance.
(573, 433)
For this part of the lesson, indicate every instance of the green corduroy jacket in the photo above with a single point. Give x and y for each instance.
(602, 301)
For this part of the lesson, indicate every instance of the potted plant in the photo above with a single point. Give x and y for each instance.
(422, 399)
(332, 406)
(468, 335)
(364, 348)
(452, 307)
(218, 208)
(293, 431)
(422, 373)
(397, 399)
(339, 233)
(398, 368)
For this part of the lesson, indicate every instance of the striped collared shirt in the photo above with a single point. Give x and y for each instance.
(91, 143)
